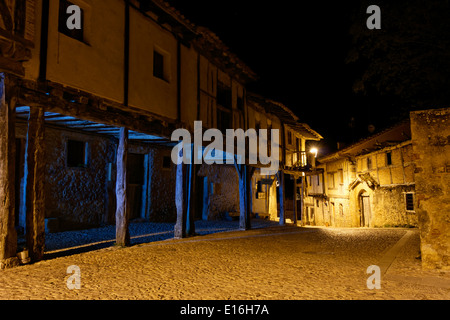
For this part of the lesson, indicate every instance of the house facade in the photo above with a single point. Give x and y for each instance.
(368, 184)
(87, 116)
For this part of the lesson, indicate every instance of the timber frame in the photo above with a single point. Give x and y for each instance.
(86, 106)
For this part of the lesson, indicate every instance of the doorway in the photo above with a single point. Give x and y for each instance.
(364, 209)
(136, 175)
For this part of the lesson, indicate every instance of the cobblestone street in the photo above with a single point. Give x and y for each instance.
(282, 263)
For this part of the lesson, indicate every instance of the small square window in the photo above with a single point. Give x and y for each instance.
(76, 34)
(158, 65)
(409, 201)
(77, 154)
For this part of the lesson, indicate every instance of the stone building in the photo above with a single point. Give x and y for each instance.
(277, 196)
(431, 153)
(368, 184)
(87, 116)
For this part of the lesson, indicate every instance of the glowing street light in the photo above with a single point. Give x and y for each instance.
(314, 151)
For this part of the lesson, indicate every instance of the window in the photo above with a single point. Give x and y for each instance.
(259, 186)
(289, 137)
(240, 103)
(158, 65)
(341, 176)
(167, 162)
(76, 34)
(389, 158)
(331, 184)
(77, 154)
(224, 96)
(409, 201)
(369, 163)
(223, 119)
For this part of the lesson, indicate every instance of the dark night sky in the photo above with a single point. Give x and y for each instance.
(298, 49)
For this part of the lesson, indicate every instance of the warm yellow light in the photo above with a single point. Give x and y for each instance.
(315, 151)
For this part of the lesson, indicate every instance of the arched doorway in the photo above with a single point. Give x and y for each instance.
(364, 208)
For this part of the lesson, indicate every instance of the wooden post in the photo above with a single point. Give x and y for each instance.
(245, 174)
(122, 210)
(302, 201)
(282, 199)
(295, 201)
(190, 220)
(35, 196)
(8, 235)
(180, 197)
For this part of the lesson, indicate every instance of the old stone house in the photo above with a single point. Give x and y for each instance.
(275, 197)
(368, 184)
(86, 119)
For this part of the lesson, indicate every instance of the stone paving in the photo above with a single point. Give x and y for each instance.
(274, 263)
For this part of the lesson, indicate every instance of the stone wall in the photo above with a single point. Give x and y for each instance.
(85, 197)
(224, 191)
(389, 207)
(431, 146)
(162, 187)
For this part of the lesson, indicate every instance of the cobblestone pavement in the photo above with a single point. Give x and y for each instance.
(282, 263)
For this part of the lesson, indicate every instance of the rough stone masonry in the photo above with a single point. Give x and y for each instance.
(431, 146)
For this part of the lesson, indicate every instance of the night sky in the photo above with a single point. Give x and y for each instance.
(300, 51)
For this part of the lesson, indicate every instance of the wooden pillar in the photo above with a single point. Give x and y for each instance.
(302, 200)
(282, 199)
(8, 235)
(122, 209)
(245, 174)
(34, 198)
(181, 197)
(295, 201)
(190, 185)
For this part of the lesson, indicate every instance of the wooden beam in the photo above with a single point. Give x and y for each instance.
(97, 110)
(122, 209)
(35, 195)
(8, 236)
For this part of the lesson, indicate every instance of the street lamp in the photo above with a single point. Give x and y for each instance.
(314, 151)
